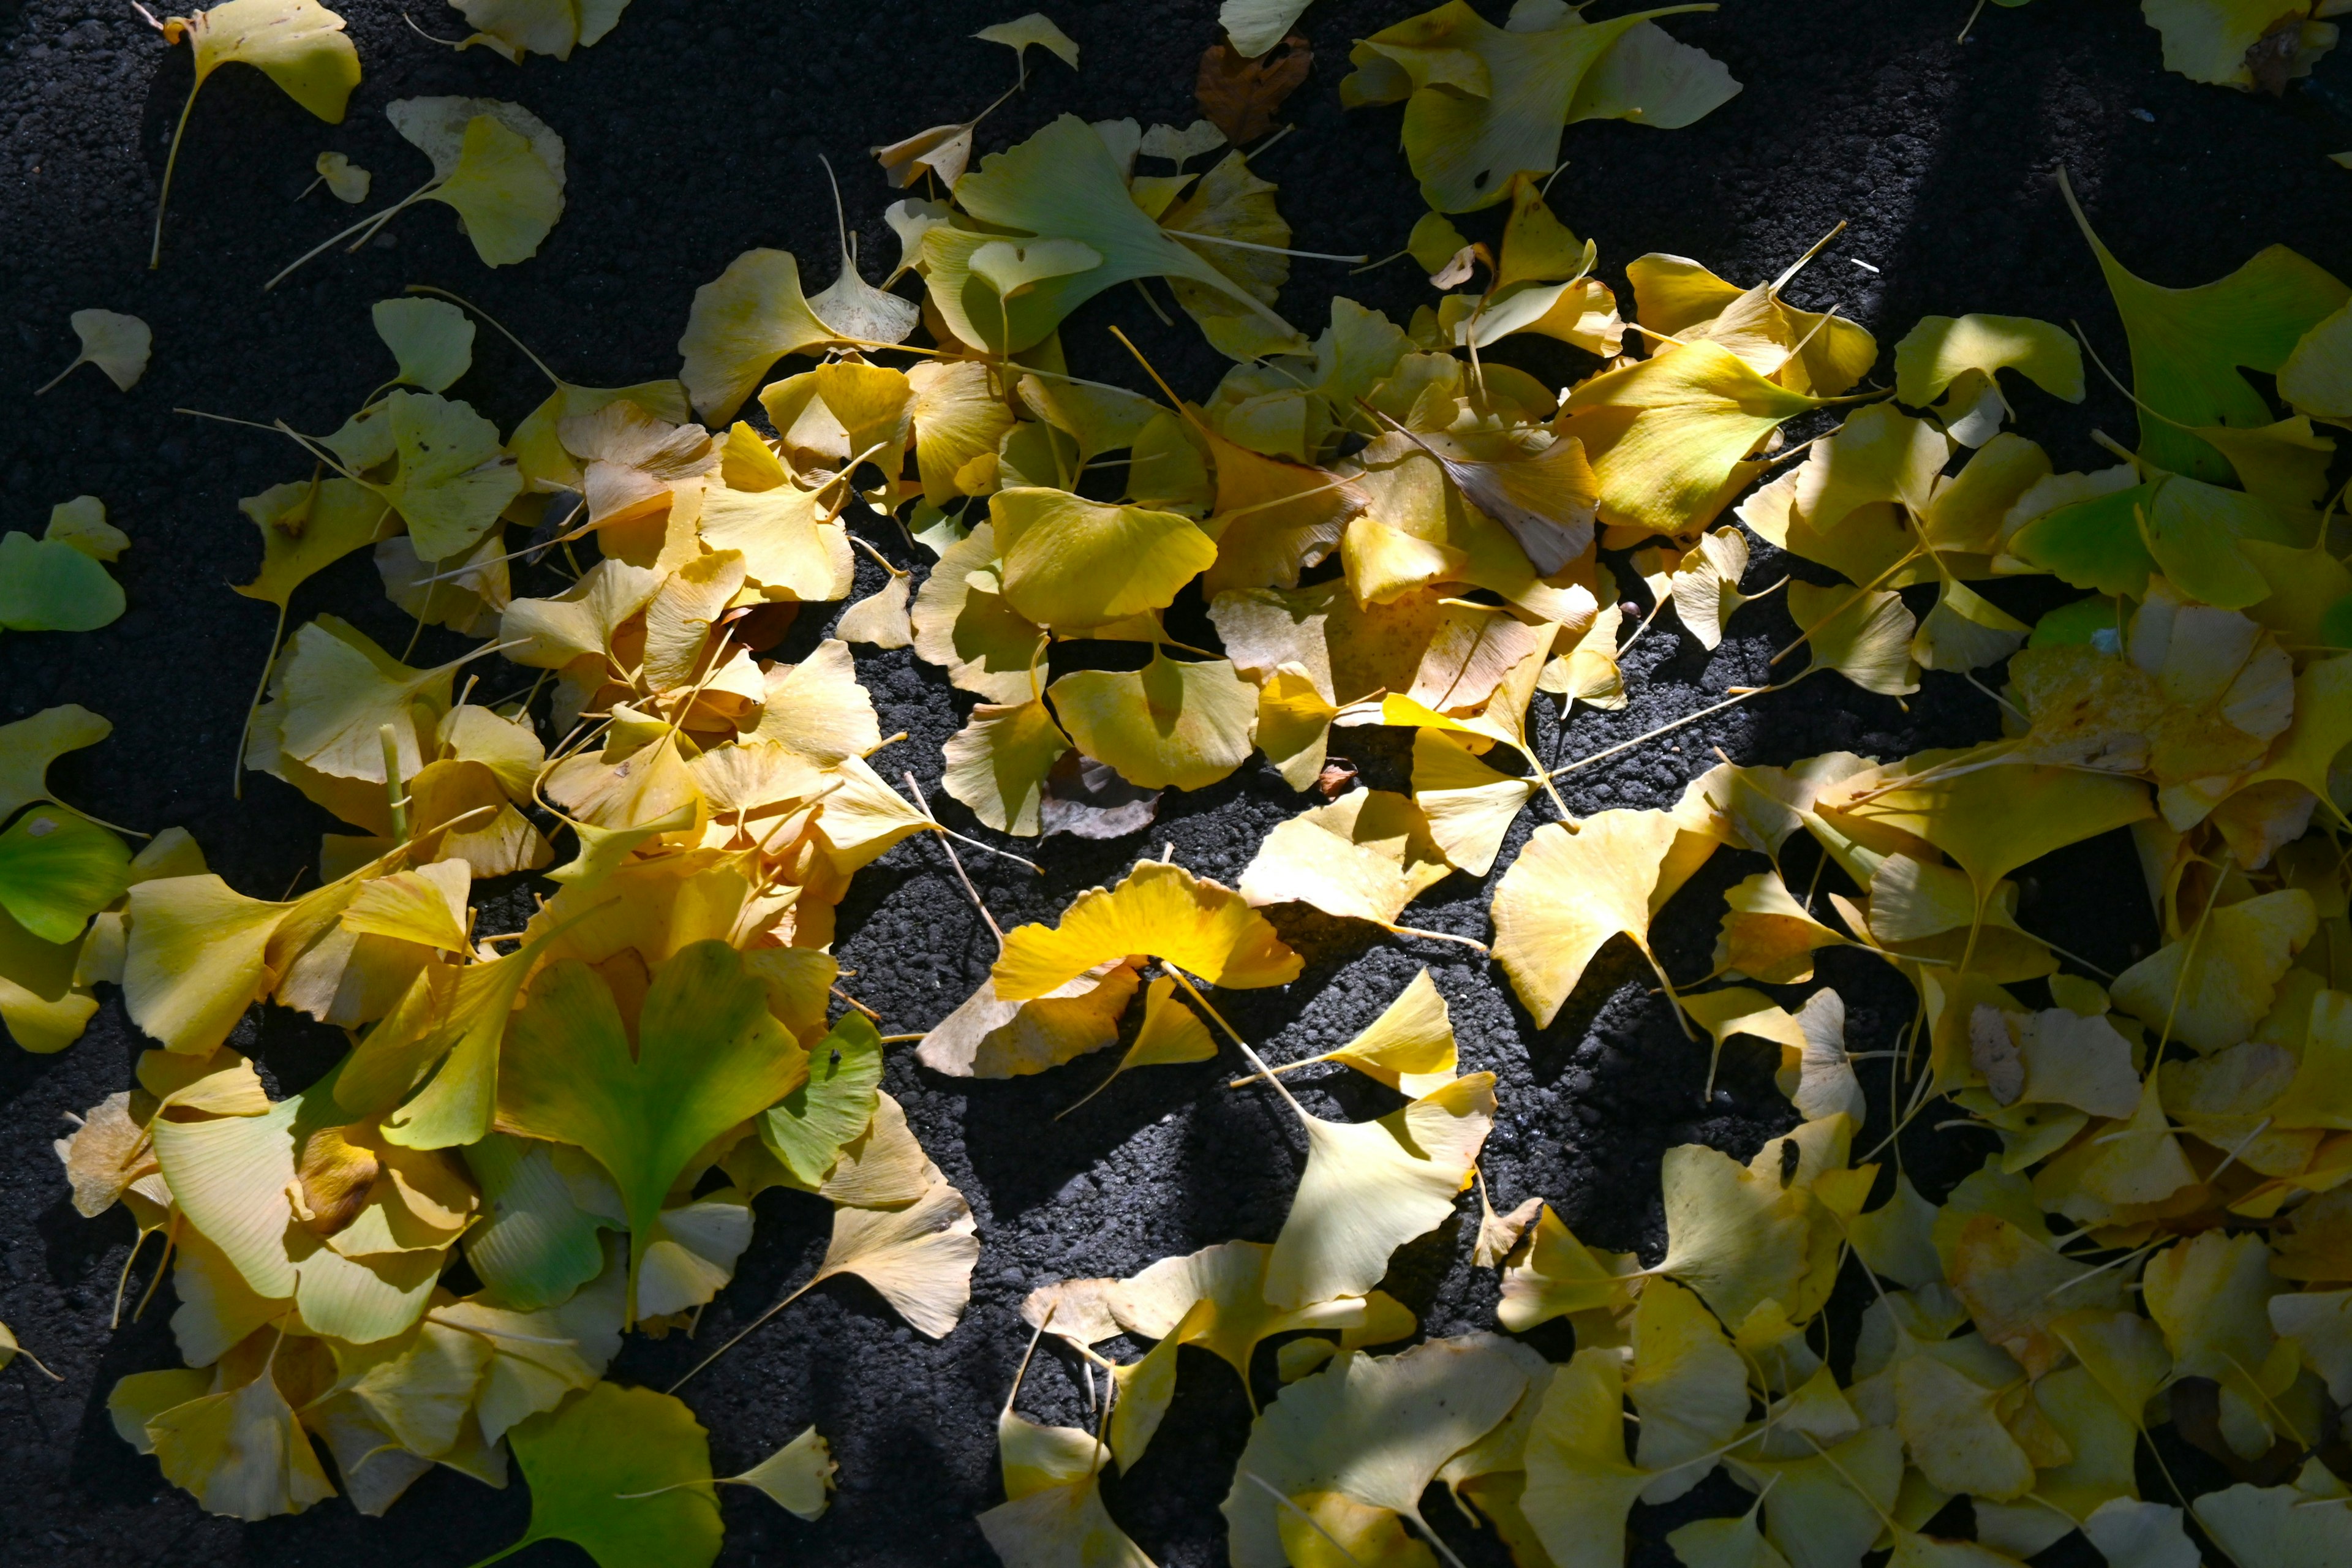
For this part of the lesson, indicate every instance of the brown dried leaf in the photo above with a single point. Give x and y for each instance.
(1241, 96)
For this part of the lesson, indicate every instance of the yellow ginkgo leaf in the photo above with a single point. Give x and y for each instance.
(497, 163)
(1371, 1186)
(197, 958)
(239, 1450)
(306, 527)
(1558, 1274)
(1566, 894)
(115, 343)
(2212, 986)
(1409, 1047)
(1170, 1034)
(997, 764)
(745, 320)
(1579, 1486)
(298, 44)
(517, 27)
(1486, 103)
(28, 746)
(987, 1036)
(1363, 856)
(426, 905)
(1374, 1429)
(961, 622)
(919, 1259)
(1668, 437)
(1168, 725)
(1939, 350)
(1689, 1385)
(1161, 909)
(1070, 563)
(1807, 350)
(1864, 636)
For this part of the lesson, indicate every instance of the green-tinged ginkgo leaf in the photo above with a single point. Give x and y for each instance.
(621, 1473)
(1371, 1186)
(708, 1056)
(117, 344)
(298, 44)
(1168, 725)
(1207, 930)
(517, 27)
(432, 339)
(808, 1127)
(47, 585)
(1060, 184)
(81, 523)
(239, 1450)
(306, 527)
(2190, 346)
(497, 163)
(58, 869)
(1939, 350)
(534, 1247)
(1566, 894)
(1374, 1428)
(1070, 563)
(1485, 103)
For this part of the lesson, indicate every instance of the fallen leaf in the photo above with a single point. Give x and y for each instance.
(1161, 909)
(619, 1473)
(1240, 88)
(115, 343)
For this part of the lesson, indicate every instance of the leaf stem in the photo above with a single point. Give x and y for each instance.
(371, 223)
(236, 784)
(170, 161)
(818, 1278)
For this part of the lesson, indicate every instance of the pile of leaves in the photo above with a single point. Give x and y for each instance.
(1389, 528)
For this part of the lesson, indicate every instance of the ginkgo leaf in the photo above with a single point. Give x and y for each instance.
(1363, 856)
(2133, 1534)
(1409, 1047)
(298, 44)
(240, 1451)
(1548, 501)
(115, 343)
(1939, 350)
(534, 1245)
(1485, 103)
(517, 27)
(1161, 909)
(1566, 894)
(1579, 1486)
(196, 958)
(1668, 437)
(2190, 346)
(1371, 1186)
(345, 180)
(1169, 1035)
(81, 523)
(453, 477)
(919, 1259)
(306, 528)
(1689, 1385)
(1376, 1429)
(2211, 989)
(808, 1127)
(47, 585)
(1705, 584)
(1061, 183)
(432, 339)
(797, 1477)
(1070, 565)
(1181, 725)
(998, 763)
(1864, 636)
(988, 1037)
(2304, 1525)
(496, 163)
(708, 1056)
(58, 869)
(620, 1473)
(744, 320)
(1256, 26)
